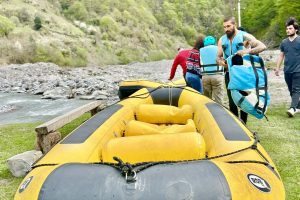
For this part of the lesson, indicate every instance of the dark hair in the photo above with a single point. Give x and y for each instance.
(199, 42)
(292, 21)
(241, 28)
(232, 19)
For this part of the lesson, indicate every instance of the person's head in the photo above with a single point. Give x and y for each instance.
(199, 42)
(209, 40)
(229, 26)
(292, 27)
(240, 28)
(179, 49)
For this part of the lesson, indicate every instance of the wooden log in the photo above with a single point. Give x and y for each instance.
(62, 120)
(45, 143)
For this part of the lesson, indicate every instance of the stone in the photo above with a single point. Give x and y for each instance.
(19, 165)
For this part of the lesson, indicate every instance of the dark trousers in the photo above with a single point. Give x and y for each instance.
(232, 107)
(293, 82)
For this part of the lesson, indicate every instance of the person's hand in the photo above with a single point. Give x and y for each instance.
(223, 63)
(277, 71)
(243, 52)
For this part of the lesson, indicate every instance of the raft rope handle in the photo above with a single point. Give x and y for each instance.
(126, 170)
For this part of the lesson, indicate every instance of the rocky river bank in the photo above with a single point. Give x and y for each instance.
(101, 83)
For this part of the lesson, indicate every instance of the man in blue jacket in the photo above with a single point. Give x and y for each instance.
(232, 42)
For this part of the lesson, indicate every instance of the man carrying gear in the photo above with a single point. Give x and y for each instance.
(233, 43)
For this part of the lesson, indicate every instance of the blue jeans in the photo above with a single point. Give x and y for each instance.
(194, 81)
(293, 82)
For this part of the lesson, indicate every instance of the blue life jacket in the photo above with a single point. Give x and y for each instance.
(237, 44)
(248, 84)
(208, 60)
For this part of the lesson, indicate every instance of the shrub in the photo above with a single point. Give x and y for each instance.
(77, 11)
(6, 26)
(189, 34)
(37, 23)
(107, 23)
(155, 55)
(49, 54)
(24, 15)
(65, 4)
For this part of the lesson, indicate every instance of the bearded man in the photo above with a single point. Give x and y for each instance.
(232, 42)
(290, 52)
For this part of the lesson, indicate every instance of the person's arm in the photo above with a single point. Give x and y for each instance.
(174, 67)
(220, 58)
(256, 45)
(279, 62)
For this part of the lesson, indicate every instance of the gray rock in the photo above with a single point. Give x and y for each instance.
(19, 165)
(58, 93)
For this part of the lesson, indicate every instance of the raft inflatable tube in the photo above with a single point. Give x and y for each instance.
(161, 143)
(127, 88)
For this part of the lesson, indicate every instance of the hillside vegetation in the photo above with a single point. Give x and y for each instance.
(98, 32)
(266, 19)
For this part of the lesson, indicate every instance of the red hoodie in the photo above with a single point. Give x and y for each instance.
(180, 59)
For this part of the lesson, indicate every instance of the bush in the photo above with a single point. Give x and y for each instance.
(24, 15)
(155, 55)
(107, 23)
(189, 34)
(37, 23)
(6, 26)
(77, 11)
(109, 28)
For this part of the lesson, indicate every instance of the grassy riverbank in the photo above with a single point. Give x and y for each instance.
(280, 136)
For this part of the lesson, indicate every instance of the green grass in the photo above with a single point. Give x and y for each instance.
(18, 138)
(280, 136)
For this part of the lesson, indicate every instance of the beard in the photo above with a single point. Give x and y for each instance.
(230, 33)
(291, 34)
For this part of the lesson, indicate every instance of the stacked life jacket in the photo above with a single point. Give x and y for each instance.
(193, 63)
(208, 59)
(248, 84)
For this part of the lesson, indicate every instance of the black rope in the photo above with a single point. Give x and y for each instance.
(43, 165)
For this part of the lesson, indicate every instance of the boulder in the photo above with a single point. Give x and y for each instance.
(19, 165)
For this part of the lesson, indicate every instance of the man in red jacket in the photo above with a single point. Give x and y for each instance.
(180, 59)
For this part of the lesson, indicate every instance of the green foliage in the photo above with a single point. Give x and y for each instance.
(65, 4)
(266, 19)
(107, 24)
(109, 27)
(189, 34)
(156, 55)
(76, 11)
(37, 23)
(80, 59)
(146, 24)
(77, 57)
(6, 26)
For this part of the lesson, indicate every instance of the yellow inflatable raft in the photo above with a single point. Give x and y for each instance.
(162, 142)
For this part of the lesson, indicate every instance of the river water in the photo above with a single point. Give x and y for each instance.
(24, 108)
